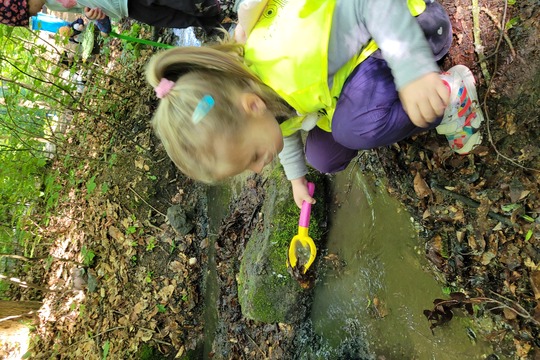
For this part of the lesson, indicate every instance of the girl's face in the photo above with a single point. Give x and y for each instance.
(257, 144)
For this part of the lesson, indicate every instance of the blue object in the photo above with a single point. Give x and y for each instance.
(203, 107)
(46, 22)
(104, 25)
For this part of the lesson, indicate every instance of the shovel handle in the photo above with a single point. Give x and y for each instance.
(305, 213)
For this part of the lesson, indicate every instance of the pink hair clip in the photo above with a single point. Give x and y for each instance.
(164, 87)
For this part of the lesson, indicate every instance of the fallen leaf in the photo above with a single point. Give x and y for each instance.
(535, 283)
(166, 292)
(509, 314)
(421, 188)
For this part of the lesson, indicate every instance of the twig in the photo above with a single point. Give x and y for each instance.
(17, 316)
(514, 307)
(140, 197)
(501, 28)
(478, 47)
(257, 346)
(162, 342)
(522, 312)
(108, 330)
(28, 259)
(472, 203)
(25, 284)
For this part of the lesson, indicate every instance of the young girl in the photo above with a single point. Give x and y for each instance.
(313, 66)
(161, 13)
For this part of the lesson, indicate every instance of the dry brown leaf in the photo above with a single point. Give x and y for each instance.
(115, 233)
(421, 188)
(535, 283)
(137, 309)
(166, 292)
(509, 314)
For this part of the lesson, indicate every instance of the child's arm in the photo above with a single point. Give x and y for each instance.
(292, 159)
(408, 54)
(54, 5)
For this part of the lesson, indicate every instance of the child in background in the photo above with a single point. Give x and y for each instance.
(162, 13)
(73, 30)
(312, 66)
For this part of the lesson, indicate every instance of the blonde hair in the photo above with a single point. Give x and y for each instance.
(217, 71)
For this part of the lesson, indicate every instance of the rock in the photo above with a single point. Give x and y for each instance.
(266, 291)
(179, 220)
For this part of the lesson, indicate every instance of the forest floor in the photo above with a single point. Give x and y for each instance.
(124, 284)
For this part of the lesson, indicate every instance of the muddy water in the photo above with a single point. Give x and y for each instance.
(376, 292)
(218, 198)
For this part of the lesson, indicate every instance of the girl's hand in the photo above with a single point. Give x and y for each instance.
(94, 14)
(425, 99)
(300, 191)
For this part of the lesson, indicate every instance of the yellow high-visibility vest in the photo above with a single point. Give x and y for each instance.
(288, 50)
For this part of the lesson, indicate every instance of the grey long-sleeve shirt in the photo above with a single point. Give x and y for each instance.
(355, 22)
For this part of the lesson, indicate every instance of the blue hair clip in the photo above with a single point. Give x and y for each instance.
(203, 107)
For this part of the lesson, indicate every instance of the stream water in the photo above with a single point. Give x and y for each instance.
(376, 293)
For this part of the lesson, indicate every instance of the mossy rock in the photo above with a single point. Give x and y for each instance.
(267, 292)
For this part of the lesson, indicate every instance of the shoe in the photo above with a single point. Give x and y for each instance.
(462, 117)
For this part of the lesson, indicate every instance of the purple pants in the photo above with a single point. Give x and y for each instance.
(369, 113)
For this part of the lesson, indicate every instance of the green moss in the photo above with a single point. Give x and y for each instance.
(266, 290)
(263, 307)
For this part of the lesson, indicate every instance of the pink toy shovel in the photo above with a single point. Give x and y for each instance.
(302, 250)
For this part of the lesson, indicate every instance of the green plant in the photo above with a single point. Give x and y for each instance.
(91, 185)
(87, 255)
(151, 244)
(106, 346)
(148, 278)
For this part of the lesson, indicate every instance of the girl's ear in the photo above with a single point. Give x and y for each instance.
(252, 104)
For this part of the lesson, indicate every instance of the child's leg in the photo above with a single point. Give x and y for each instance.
(189, 7)
(369, 113)
(325, 154)
(149, 13)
